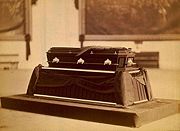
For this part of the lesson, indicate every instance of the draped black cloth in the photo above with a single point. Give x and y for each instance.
(119, 87)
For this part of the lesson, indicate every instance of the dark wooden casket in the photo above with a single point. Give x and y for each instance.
(95, 74)
(100, 58)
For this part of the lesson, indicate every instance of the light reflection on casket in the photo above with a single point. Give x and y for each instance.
(97, 75)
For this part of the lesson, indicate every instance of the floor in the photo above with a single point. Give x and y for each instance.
(165, 84)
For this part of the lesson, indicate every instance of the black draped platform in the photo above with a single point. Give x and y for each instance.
(96, 84)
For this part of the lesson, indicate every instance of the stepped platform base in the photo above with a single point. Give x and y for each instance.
(133, 116)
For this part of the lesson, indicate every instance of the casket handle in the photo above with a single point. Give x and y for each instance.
(107, 62)
(55, 60)
(80, 61)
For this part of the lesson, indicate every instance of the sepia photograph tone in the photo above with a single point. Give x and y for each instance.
(85, 65)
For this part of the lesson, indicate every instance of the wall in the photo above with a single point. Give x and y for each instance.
(55, 23)
(37, 43)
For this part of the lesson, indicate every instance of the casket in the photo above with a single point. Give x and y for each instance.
(93, 75)
(101, 58)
